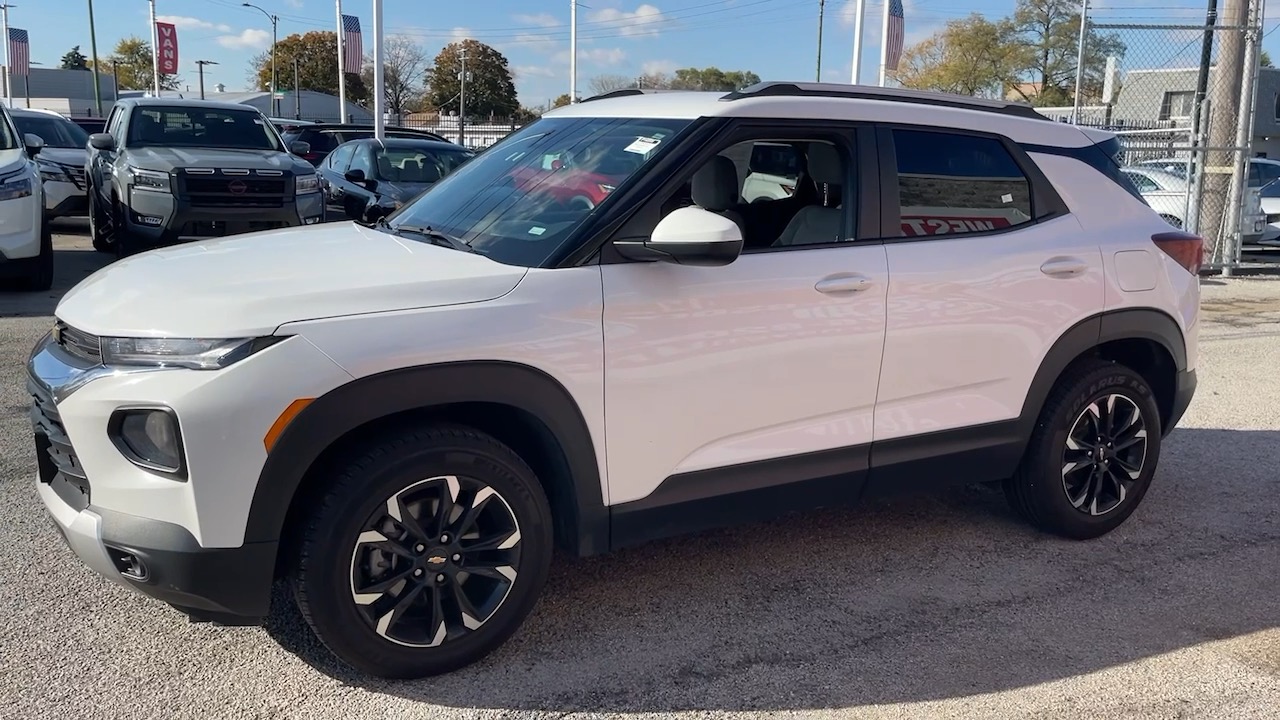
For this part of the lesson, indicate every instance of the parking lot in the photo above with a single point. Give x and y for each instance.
(932, 607)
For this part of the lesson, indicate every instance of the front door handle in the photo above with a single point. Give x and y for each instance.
(1063, 267)
(843, 283)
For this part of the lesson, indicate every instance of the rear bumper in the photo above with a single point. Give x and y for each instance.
(1184, 391)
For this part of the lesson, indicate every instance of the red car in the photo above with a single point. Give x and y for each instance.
(580, 180)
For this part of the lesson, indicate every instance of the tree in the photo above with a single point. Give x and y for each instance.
(491, 90)
(317, 55)
(602, 84)
(1265, 59)
(1051, 29)
(131, 62)
(404, 69)
(75, 60)
(713, 78)
(970, 56)
(561, 101)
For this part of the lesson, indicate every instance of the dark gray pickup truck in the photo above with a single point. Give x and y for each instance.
(168, 171)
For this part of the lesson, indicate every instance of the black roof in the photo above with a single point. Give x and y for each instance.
(422, 142)
(184, 102)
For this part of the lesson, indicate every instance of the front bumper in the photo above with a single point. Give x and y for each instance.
(65, 199)
(157, 219)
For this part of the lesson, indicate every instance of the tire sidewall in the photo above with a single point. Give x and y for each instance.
(1118, 380)
(326, 581)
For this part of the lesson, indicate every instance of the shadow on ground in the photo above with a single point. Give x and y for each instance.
(921, 598)
(70, 266)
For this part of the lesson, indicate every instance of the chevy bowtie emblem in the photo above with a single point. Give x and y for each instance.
(435, 560)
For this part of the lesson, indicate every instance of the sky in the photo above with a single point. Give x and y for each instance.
(777, 39)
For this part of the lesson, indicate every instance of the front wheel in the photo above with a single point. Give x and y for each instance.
(427, 553)
(1092, 455)
(98, 224)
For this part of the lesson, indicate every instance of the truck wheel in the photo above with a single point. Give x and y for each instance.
(41, 277)
(122, 242)
(98, 223)
(426, 553)
(1092, 455)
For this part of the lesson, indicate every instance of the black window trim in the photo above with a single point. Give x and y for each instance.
(1046, 203)
(855, 139)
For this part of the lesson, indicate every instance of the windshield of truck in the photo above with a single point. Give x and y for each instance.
(201, 127)
(521, 199)
(55, 132)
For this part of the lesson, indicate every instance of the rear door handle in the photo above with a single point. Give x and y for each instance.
(1063, 267)
(843, 283)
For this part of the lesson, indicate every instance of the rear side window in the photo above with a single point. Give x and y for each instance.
(319, 142)
(955, 184)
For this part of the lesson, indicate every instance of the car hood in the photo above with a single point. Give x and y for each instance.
(249, 285)
(75, 157)
(165, 159)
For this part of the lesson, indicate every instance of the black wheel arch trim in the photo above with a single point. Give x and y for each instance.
(359, 402)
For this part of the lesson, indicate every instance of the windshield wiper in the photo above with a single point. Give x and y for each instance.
(435, 237)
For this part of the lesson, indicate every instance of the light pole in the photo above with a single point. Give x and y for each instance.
(155, 49)
(8, 89)
(93, 50)
(275, 102)
(202, 63)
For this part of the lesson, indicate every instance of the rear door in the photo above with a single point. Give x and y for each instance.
(987, 270)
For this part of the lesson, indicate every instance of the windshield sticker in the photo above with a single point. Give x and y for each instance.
(642, 145)
(537, 230)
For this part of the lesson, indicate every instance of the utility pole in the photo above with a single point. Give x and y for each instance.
(379, 75)
(573, 51)
(297, 94)
(822, 8)
(200, 64)
(462, 98)
(8, 87)
(1224, 109)
(275, 80)
(1084, 30)
(342, 72)
(860, 11)
(155, 49)
(93, 50)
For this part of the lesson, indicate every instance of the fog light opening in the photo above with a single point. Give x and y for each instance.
(311, 220)
(127, 564)
(149, 438)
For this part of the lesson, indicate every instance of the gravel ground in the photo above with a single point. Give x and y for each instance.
(933, 607)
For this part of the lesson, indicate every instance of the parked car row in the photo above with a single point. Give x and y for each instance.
(1163, 183)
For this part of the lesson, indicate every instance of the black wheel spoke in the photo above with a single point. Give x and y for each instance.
(504, 541)
(445, 505)
(371, 593)
(1108, 442)
(467, 614)
(1128, 467)
(477, 506)
(401, 514)
(375, 539)
(501, 572)
(393, 617)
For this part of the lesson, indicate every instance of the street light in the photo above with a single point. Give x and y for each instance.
(202, 63)
(275, 102)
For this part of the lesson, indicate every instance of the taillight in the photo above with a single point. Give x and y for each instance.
(1185, 248)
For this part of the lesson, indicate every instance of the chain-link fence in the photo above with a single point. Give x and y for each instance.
(1184, 100)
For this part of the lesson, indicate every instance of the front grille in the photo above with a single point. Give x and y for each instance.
(220, 228)
(77, 175)
(77, 342)
(55, 458)
(235, 188)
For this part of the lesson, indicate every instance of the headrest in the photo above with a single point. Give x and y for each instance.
(715, 185)
(825, 164)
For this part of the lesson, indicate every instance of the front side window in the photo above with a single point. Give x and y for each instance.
(522, 199)
(953, 184)
(340, 158)
(408, 164)
(201, 127)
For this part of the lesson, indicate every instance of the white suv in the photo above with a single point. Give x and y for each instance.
(26, 241)
(405, 419)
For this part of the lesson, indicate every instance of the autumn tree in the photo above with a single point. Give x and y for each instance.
(404, 70)
(74, 60)
(970, 56)
(132, 64)
(317, 55)
(713, 78)
(491, 89)
(1050, 29)
(561, 101)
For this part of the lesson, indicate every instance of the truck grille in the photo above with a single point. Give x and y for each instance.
(55, 458)
(236, 188)
(77, 342)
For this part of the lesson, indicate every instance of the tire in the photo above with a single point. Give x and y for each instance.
(41, 277)
(1054, 487)
(338, 557)
(97, 230)
(122, 242)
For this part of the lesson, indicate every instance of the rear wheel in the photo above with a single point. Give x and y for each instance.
(1092, 455)
(428, 552)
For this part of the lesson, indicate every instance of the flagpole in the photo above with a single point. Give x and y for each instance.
(884, 44)
(8, 57)
(857, 40)
(342, 72)
(573, 51)
(155, 49)
(379, 96)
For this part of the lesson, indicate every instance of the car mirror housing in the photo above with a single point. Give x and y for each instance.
(688, 236)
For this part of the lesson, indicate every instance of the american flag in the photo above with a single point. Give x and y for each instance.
(353, 57)
(896, 30)
(19, 52)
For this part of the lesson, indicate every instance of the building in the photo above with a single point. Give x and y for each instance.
(314, 106)
(69, 92)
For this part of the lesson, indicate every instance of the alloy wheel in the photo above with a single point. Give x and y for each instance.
(1105, 453)
(436, 561)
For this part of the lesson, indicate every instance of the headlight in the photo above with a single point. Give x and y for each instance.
(52, 173)
(149, 180)
(303, 184)
(193, 353)
(14, 189)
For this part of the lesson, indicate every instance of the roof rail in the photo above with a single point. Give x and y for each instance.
(863, 92)
(627, 92)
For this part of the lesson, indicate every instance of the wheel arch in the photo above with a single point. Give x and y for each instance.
(521, 406)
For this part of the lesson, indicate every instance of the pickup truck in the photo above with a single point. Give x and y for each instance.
(168, 171)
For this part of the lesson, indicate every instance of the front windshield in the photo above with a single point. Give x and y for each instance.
(55, 132)
(409, 164)
(201, 127)
(522, 198)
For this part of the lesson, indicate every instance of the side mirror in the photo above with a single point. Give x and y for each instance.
(299, 147)
(688, 236)
(102, 141)
(356, 177)
(34, 144)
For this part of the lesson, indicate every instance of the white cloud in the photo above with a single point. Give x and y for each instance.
(531, 71)
(597, 56)
(656, 67)
(644, 20)
(461, 33)
(294, 3)
(189, 23)
(251, 38)
(541, 20)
